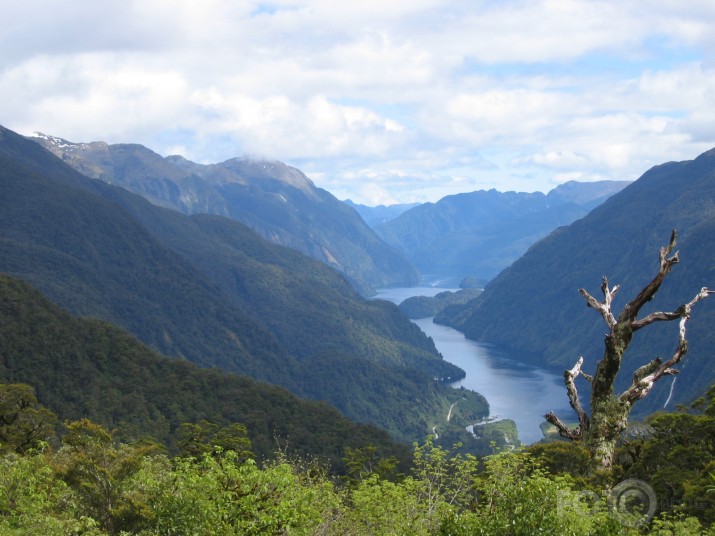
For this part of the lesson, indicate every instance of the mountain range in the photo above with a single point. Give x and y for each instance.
(480, 233)
(175, 268)
(208, 289)
(533, 307)
(375, 215)
(277, 201)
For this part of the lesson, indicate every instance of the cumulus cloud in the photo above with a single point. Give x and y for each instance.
(407, 100)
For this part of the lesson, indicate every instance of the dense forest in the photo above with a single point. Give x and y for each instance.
(91, 484)
(209, 290)
(89, 368)
(86, 368)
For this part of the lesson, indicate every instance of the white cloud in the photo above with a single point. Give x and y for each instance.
(397, 100)
(276, 127)
(559, 159)
(93, 92)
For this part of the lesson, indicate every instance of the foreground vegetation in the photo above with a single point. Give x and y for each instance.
(87, 483)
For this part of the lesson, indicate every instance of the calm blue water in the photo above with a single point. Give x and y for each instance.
(514, 391)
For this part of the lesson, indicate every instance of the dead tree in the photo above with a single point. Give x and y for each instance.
(609, 412)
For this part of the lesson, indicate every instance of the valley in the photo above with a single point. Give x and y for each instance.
(514, 390)
(281, 359)
(192, 282)
(309, 268)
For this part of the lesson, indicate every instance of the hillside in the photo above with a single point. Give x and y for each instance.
(90, 369)
(478, 234)
(209, 290)
(533, 306)
(277, 201)
(427, 306)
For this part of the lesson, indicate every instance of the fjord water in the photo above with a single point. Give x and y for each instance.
(516, 391)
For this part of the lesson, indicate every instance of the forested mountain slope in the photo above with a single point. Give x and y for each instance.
(275, 200)
(90, 369)
(94, 481)
(534, 306)
(207, 289)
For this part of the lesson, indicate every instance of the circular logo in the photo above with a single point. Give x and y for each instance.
(632, 502)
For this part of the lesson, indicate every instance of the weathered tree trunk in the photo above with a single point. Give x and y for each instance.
(609, 413)
(609, 416)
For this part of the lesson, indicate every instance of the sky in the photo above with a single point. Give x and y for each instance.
(382, 102)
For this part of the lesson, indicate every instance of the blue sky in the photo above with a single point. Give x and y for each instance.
(380, 102)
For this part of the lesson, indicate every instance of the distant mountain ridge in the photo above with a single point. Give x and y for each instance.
(533, 306)
(275, 200)
(480, 233)
(208, 289)
(376, 215)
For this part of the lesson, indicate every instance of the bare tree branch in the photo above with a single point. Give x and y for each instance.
(654, 317)
(683, 310)
(564, 430)
(603, 307)
(645, 377)
(631, 310)
(569, 379)
(575, 401)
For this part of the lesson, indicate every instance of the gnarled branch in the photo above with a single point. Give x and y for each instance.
(569, 379)
(603, 307)
(682, 311)
(655, 317)
(631, 310)
(564, 430)
(575, 401)
(645, 377)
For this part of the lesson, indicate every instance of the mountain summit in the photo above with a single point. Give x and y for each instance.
(277, 201)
